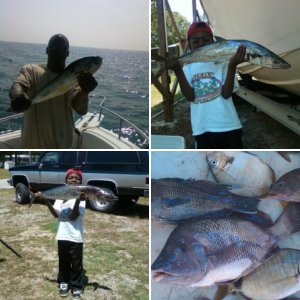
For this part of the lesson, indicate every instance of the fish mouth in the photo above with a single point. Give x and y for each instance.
(160, 276)
(275, 196)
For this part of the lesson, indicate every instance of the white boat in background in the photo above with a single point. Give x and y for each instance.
(90, 133)
(274, 24)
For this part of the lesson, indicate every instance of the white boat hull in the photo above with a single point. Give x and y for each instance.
(274, 24)
(92, 136)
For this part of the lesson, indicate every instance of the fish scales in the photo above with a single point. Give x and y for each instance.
(68, 78)
(224, 50)
(175, 199)
(287, 187)
(68, 192)
(219, 250)
(276, 278)
(246, 173)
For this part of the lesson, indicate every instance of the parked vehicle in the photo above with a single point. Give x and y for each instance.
(126, 173)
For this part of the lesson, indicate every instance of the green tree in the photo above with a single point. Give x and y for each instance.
(181, 22)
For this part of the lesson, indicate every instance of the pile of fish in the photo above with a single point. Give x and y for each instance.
(221, 238)
(67, 192)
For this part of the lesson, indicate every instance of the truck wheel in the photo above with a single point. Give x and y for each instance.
(22, 194)
(104, 206)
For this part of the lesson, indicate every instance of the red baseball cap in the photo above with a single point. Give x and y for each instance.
(199, 27)
(73, 170)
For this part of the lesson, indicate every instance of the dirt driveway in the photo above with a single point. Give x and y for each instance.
(116, 255)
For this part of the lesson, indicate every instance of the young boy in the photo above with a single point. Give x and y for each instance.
(69, 239)
(209, 86)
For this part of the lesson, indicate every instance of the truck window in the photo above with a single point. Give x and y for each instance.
(50, 158)
(115, 157)
(69, 158)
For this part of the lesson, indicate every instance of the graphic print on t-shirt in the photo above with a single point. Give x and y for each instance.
(207, 87)
(65, 214)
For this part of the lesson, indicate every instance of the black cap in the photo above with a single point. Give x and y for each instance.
(58, 41)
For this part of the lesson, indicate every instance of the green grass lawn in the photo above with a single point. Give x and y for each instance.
(116, 252)
(4, 174)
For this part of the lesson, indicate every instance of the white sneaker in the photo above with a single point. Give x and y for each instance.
(63, 289)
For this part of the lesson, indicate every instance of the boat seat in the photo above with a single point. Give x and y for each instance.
(167, 142)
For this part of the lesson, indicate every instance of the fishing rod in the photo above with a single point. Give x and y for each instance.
(10, 248)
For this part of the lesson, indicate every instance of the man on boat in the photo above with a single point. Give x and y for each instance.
(49, 124)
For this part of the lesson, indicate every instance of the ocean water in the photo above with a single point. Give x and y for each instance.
(123, 79)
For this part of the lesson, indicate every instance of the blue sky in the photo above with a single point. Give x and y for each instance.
(112, 24)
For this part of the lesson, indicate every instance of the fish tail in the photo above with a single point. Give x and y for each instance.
(31, 197)
(288, 222)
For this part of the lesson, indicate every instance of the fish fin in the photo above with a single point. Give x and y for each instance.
(229, 282)
(222, 292)
(219, 39)
(270, 253)
(288, 222)
(237, 189)
(285, 155)
(209, 215)
(284, 203)
(259, 217)
(243, 297)
(248, 152)
(31, 198)
(229, 159)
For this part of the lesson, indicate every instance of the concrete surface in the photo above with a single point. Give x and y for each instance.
(4, 184)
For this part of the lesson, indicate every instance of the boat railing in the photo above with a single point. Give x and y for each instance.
(15, 116)
(9, 128)
(122, 120)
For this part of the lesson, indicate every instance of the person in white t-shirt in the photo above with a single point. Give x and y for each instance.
(69, 237)
(209, 86)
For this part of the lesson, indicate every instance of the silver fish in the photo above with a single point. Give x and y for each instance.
(276, 278)
(175, 199)
(67, 79)
(67, 192)
(287, 187)
(224, 50)
(246, 173)
(204, 252)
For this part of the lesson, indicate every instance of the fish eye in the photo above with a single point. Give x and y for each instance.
(280, 185)
(213, 162)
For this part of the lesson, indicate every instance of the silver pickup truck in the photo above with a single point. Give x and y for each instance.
(126, 173)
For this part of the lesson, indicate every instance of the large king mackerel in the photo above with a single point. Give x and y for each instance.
(68, 78)
(67, 192)
(224, 50)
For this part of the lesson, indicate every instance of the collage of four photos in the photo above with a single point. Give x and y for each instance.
(150, 149)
